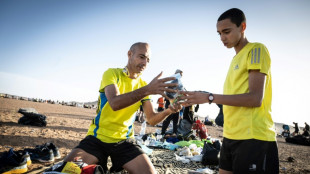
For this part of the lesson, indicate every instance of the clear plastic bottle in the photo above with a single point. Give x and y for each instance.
(173, 95)
(143, 127)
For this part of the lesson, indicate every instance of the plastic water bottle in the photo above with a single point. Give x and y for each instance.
(143, 127)
(177, 80)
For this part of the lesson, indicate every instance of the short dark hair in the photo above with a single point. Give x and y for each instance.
(235, 15)
(137, 44)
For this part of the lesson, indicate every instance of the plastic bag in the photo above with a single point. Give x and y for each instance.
(183, 159)
(196, 158)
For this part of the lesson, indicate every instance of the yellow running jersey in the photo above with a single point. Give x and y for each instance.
(113, 126)
(249, 122)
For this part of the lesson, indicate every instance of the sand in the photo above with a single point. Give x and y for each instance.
(67, 125)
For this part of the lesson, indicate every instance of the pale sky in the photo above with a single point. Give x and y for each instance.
(55, 49)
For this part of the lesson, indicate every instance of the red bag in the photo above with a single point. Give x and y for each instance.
(201, 129)
(92, 169)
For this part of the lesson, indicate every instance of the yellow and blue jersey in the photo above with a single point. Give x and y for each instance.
(113, 126)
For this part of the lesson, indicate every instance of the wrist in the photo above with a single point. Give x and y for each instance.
(210, 98)
(145, 90)
(170, 111)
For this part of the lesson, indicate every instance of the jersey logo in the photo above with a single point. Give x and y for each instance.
(255, 58)
(252, 167)
(236, 67)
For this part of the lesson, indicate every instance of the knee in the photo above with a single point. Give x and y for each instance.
(141, 164)
(79, 154)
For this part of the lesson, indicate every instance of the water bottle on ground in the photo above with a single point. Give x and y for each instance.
(143, 127)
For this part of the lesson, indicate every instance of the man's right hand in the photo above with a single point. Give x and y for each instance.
(159, 86)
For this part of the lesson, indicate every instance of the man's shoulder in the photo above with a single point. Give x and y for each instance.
(114, 70)
(255, 48)
(111, 71)
(257, 45)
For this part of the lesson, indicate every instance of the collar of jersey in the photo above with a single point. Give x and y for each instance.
(126, 72)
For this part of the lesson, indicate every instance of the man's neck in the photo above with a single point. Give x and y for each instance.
(131, 74)
(242, 42)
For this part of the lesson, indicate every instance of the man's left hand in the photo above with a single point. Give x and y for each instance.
(176, 107)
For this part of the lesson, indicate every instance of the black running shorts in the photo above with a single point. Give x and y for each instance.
(120, 153)
(249, 156)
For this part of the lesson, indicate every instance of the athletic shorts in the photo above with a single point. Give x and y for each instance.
(120, 153)
(249, 156)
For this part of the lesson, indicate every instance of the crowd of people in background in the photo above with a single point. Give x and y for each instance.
(296, 129)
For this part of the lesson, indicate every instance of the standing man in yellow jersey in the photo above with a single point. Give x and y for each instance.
(111, 133)
(249, 144)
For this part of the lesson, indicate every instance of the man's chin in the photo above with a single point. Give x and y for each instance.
(140, 70)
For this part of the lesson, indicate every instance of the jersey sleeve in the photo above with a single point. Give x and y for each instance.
(108, 78)
(259, 59)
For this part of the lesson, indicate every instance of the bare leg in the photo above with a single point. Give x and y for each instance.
(78, 153)
(140, 164)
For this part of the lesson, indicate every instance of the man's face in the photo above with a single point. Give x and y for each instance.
(229, 32)
(139, 58)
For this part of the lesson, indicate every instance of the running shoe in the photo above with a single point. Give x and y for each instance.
(41, 154)
(55, 150)
(11, 162)
(52, 147)
(26, 155)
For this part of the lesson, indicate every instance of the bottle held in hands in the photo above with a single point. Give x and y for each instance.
(173, 96)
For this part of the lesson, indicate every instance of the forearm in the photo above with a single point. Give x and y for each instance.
(124, 100)
(155, 118)
(245, 100)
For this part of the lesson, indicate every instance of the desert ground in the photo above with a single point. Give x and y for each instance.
(67, 125)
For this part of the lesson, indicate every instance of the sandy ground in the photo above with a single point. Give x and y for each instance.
(66, 126)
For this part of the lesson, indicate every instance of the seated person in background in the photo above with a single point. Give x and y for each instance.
(306, 130)
(186, 123)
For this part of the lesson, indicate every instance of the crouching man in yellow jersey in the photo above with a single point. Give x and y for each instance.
(111, 133)
(249, 144)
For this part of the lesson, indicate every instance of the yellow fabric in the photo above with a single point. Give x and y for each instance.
(71, 168)
(113, 126)
(249, 122)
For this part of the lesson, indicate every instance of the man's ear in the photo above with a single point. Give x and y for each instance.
(129, 54)
(243, 26)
